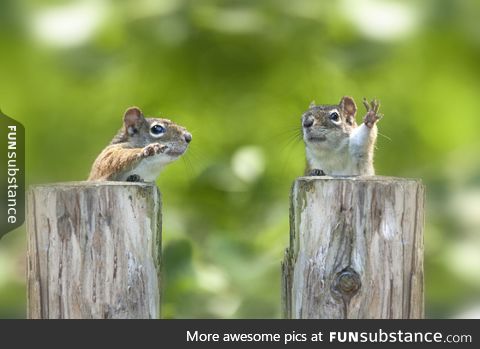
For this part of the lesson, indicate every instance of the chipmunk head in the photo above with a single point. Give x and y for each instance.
(327, 126)
(141, 131)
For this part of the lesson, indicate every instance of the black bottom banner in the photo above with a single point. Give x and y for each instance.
(246, 333)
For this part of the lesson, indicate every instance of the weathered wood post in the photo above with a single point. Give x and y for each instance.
(356, 249)
(93, 250)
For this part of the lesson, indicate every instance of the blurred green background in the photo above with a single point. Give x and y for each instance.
(238, 75)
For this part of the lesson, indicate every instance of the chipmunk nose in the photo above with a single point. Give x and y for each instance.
(188, 137)
(308, 122)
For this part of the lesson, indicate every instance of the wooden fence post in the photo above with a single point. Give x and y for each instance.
(356, 249)
(93, 250)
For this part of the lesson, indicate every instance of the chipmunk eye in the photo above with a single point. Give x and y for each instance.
(334, 116)
(157, 130)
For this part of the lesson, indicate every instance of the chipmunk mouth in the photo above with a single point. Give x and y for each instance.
(176, 152)
(316, 138)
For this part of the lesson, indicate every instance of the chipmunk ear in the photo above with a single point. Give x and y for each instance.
(347, 104)
(312, 104)
(132, 119)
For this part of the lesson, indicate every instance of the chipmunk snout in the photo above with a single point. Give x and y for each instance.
(308, 121)
(188, 137)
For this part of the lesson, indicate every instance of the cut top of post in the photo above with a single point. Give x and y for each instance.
(380, 179)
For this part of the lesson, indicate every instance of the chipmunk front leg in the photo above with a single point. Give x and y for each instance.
(149, 150)
(116, 160)
(363, 138)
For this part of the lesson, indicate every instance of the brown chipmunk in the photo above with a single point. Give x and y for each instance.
(335, 145)
(141, 149)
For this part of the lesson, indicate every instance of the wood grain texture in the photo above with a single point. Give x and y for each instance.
(93, 250)
(356, 249)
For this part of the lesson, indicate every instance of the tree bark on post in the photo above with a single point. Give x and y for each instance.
(93, 250)
(356, 249)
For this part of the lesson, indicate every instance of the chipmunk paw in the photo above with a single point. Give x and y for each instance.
(134, 178)
(372, 115)
(154, 149)
(316, 172)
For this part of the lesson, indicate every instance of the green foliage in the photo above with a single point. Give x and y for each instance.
(238, 75)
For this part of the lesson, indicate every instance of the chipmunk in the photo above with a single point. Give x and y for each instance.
(140, 149)
(335, 145)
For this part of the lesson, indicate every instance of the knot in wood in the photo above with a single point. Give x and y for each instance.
(347, 282)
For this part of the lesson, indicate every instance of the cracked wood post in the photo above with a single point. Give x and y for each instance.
(93, 250)
(356, 249)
